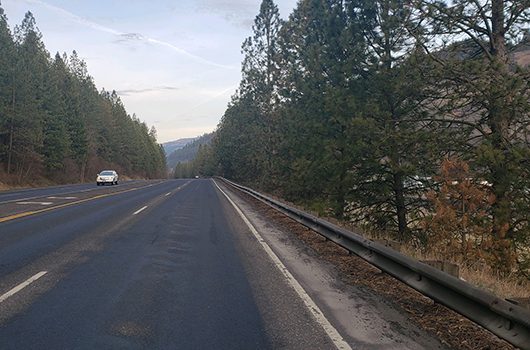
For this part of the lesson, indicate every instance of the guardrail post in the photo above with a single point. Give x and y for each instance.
(445, 266)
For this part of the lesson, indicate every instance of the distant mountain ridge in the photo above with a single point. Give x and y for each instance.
(468, 49)
(188, 152)
(522, 53)
(171, 146)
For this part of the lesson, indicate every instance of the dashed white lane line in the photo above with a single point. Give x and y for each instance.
(39, 203)
(140, 210)
(167, 194)
(332, 333)
(22, 286)
(35, 197)
(61, 197)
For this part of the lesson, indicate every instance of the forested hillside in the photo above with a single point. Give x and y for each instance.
(55, 125)
(189, 151)
(408, 118)
(171, 146)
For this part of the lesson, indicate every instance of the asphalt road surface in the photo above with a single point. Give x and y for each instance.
(173, 264)
(142, 265)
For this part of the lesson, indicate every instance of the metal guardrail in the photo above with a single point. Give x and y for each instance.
(508, 321)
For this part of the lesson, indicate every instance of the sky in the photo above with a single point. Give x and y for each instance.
(174, 63)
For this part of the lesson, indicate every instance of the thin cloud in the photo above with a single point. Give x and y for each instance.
(238, 12)
(206, 101)
(128, 92)
(127, 36)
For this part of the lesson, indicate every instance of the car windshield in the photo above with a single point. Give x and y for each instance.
(106, 173)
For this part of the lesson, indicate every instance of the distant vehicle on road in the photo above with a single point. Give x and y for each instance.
(107, 177)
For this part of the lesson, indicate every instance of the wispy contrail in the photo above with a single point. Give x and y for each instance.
(127, 92)
(137, 36)
(208, 100)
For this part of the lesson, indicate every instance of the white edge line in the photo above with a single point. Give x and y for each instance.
(22, 285)
(140, 210)
(332, 333)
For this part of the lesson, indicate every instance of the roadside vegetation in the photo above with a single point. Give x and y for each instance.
(55, 126)
(405, 118)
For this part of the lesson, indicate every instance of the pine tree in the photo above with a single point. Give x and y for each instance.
(458, 230)
(259, 71)
(7, 62)
(73, 82)
(391, 147)
(490, 98)
(237, 146)
(316, 87)
(30, 75)
(56, 147)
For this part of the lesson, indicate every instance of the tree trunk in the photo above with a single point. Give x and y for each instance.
(497, 40)
(11, 131)
(10, 150)
(83, 169)
(401, 209)
(499, 125)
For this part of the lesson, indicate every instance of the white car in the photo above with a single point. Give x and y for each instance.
(107, 177)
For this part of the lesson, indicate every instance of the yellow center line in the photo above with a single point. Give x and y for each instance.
(16, 216)
(28, 213)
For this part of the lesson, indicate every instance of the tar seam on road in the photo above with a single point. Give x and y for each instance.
(140, 210)
(332, 333)
(28, 213)
(22, 285)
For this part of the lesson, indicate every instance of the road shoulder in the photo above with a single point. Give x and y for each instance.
(364, 319)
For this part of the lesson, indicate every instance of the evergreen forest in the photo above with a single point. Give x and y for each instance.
(55, 126)
(179, 159)
(408, 119)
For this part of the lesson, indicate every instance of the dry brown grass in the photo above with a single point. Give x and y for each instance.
(505, 287)
(6, 187)
(481, 277)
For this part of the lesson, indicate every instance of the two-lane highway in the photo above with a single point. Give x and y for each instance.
(35, 193)
(174, 264)
(19, 204)
(150, 265)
